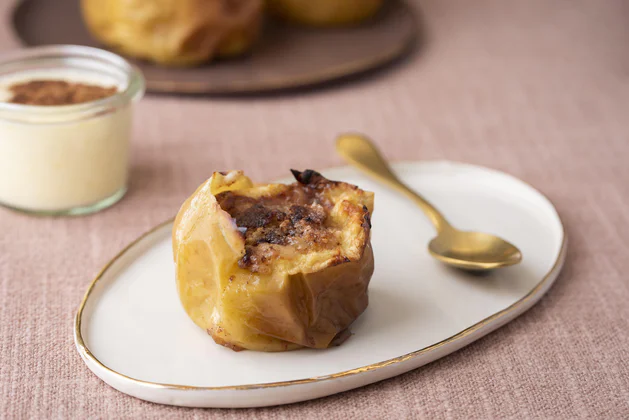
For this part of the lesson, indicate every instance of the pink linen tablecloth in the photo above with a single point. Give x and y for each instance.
(539, 89)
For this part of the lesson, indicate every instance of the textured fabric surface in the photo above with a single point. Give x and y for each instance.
(539, 89)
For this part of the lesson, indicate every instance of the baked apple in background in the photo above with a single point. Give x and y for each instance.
(274, 267)
(175, 32)
(325, 12)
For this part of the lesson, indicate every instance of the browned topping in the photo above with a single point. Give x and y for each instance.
(295, 217)
(57, 92)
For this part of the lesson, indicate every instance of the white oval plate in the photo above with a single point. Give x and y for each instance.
(133, 334)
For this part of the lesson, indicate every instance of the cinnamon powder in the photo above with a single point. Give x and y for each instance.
(57, 92)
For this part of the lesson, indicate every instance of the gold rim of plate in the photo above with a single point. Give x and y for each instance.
(86, 353)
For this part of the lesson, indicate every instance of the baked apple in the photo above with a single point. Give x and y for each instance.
(175, 32)
(274, 267)
(325, 12)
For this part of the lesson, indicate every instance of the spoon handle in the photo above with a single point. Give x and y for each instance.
(360, 152)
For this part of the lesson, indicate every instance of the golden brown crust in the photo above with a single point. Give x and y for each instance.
(296, 217)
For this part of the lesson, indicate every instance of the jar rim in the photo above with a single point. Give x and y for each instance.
(133, 90)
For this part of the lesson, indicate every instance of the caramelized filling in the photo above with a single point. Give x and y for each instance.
(294, 221)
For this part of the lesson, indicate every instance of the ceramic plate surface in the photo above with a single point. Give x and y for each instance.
(132, 332)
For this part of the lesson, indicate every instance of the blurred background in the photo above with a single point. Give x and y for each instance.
(538, 89)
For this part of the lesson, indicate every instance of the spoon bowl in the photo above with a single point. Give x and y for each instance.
(461, 249)
(473, 250)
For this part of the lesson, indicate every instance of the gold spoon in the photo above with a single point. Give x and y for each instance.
(466, 250)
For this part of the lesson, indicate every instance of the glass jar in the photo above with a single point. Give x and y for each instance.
(66, 159)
